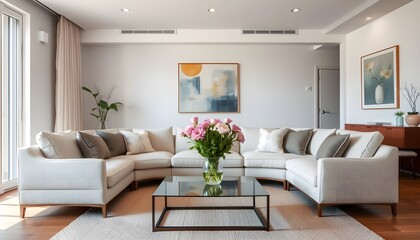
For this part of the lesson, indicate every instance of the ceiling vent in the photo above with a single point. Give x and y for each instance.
(148, 31)
(270, 32)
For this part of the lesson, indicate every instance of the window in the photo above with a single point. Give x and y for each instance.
(11, 95)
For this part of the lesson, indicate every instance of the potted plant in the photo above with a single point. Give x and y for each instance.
(100, 112)
(411, 94)
(213, 139)
(399, 118)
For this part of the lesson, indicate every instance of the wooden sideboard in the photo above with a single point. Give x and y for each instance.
(401, 137)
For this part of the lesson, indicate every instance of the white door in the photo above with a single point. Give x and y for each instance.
(329, 98)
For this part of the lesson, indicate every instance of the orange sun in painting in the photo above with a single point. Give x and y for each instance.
(191, 69)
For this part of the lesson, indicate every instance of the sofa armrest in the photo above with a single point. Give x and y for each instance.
(360, 180)
(39, 173)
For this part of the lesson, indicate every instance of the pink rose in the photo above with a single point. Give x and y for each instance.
(214, 121)
(188, 130)
(228, 120)
(240, 137)
(198, 133)
(235, 128)
(194, 120)
(222, 128)
(205, 124)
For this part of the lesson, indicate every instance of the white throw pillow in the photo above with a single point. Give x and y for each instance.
(58, 145)
(271, 141)
(138, 142)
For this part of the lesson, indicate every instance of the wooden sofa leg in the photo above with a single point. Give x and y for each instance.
(133, 186)
(285, 185)
(22, 211)
(288, 186)
(104, 211)
(394, 209)
(320, 210)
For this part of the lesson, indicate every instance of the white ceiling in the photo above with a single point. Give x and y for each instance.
(333, 16)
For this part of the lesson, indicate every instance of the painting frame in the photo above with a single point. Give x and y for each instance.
(380, 79)
(208, 87)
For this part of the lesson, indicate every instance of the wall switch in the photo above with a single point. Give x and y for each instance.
(308, 88)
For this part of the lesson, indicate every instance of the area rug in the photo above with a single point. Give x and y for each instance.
(293, 216)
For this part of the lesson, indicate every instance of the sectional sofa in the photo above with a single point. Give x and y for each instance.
(71, 169)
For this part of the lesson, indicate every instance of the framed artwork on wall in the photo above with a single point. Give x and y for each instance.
(208, 87)
(380, 79)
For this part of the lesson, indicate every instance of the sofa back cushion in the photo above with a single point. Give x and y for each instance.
(362, 144)
(251, 135)
(318, 137)
(58, 145)
(114, 141)
(162, 139)
(92, 146)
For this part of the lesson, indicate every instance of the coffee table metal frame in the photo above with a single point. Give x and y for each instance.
(265, 222)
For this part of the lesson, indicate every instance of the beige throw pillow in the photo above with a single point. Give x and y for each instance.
(271, 141)
(58, 145)
(137, 142)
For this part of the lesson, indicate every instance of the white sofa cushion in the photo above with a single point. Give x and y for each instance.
(362, 144)
(268, 160)
(59, 145)
(191, 158)
(306, 168)
(157, 159)
(318, 137)
(137, 142)
(271, 141)
(162, 139)
(117, 169)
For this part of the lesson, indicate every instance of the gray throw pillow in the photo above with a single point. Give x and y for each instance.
(297, 141)
(114, 141)
(92, 146)
(333, 146)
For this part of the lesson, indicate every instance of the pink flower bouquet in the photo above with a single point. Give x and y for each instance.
(213, 137)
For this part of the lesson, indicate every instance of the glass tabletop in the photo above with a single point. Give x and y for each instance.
(195, 186)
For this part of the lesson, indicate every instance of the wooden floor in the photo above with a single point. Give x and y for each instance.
(43, 223)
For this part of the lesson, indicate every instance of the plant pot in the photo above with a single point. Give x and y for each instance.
(399, 121)
(213, 170)
(413, 120)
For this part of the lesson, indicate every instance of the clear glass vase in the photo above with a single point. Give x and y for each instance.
(213, 170)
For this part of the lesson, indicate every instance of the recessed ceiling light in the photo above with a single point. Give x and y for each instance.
(212, 10)
(126, 10)
(295, 10)
(368, 18)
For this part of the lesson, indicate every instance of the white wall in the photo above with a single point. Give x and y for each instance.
(272, 81)
(397, 28)
(41, 79)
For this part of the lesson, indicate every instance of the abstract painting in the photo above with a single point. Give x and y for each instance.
(208, 87)
(380, 79)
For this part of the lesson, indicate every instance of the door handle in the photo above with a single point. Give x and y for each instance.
(324, 112)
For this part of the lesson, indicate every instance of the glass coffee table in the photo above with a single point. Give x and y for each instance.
(184, 203)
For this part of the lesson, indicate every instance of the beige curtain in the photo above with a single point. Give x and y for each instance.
(68, 95)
